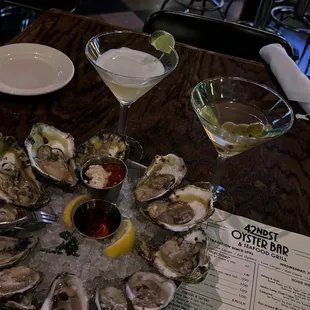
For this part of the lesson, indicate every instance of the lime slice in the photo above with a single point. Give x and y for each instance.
(163, 41)
(255, 130)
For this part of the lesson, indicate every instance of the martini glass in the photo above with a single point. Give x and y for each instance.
(237, 115)
(129, 66)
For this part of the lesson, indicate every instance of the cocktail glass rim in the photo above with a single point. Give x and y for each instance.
(124, 76)
(244, 138)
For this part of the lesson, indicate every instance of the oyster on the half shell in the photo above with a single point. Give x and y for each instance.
(18, 184)
(21, 302)
(184, 209)
(18, 280)
(66, 293)
(51, 153)
(163, 175)
(9, 213)
(12, 250)
(182, 258)
(102, 144)
(148, 291)
(110, 298)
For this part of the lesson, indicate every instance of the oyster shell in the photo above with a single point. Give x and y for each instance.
(182, 258)
(9, 213)
(23, 302)
(51, 153)
(110, 298)
(18, 280)
(148, 290)
(66, 293)
(18, 184)
(11, 217)
(102, 144)
(163, 175)
(185, 208)
(12, 250)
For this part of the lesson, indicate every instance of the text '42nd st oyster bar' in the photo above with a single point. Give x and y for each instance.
(146, 166)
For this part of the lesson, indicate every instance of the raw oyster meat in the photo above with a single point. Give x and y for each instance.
(51, 153)
(12, 250)
(110, 298)
(18, 280)
(66, 293)
(9, 213)
(18, 184)
(21, 302)
(102, 144)
(163, 175)
(147, 290)
(185, 208)
(182, 258)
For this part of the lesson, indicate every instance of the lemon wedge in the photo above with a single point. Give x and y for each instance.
(123, 241)
(163, 41)
(72, 204)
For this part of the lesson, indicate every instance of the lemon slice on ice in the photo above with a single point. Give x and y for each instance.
(70, 207)
(123, 241)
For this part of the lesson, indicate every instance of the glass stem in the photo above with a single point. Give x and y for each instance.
(218, 174)
(122, 122)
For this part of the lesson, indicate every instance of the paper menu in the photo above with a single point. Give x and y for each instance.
(253, 267)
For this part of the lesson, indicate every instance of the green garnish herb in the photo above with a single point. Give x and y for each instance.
(70, 245)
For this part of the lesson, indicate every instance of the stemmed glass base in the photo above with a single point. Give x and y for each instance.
(135, 149)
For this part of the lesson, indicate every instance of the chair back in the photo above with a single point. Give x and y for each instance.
(215, 35)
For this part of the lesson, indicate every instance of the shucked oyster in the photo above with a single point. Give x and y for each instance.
(66, 293)
(20, 302)
(18, 184)
(51, 153)
(164, 174)
(185, 208)
(183, 258)
(102, 144)
(18, 280)
(12, 250)
(110, 298)
(9, 213)
(147, 290)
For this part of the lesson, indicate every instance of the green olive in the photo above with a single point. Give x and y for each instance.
(228, 126)
(240, 129)
(255, 130)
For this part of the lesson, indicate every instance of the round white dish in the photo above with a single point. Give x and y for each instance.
(28, 69)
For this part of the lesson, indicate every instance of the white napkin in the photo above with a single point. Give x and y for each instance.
(294, 83)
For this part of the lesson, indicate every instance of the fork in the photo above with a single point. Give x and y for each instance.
(33, 217)
(40, 217)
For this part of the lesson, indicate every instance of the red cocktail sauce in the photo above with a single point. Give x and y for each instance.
(117, 173)
(99, 223)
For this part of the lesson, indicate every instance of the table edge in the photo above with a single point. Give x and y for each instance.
(46, 14)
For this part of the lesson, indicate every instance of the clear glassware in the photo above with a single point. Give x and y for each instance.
(132, 70)
(237, 115)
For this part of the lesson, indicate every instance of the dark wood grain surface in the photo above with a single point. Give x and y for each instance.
(270, 183)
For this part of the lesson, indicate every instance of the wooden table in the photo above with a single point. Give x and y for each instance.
(269, 183)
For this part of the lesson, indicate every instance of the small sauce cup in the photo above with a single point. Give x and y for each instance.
(107, 193)
(96, 219)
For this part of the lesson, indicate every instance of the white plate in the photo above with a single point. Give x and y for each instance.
(32, 69)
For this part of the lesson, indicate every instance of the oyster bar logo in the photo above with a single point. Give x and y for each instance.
(262, 241)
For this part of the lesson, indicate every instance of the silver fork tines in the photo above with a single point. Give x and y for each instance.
(43, 217)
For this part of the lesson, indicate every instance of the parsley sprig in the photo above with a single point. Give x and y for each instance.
(70, 245)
